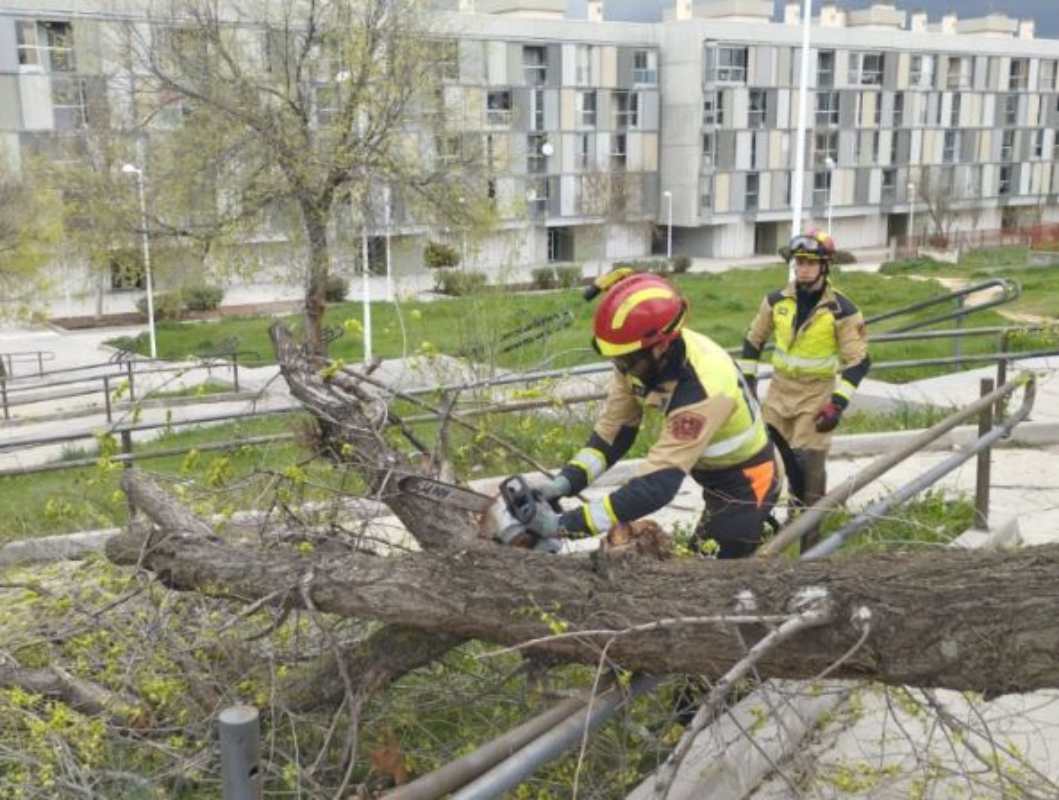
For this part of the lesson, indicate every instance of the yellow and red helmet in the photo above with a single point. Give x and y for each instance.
(813, 246)
(638, 312)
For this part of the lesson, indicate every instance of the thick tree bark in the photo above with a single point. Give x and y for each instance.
(314, 220)
(958, 619)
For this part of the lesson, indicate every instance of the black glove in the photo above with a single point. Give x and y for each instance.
(751, 384)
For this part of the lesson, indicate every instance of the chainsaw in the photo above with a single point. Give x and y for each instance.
(505, 518)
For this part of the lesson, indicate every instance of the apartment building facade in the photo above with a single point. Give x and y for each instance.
(599, 133)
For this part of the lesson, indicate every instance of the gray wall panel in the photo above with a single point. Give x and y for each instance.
(904, 146)
(737, 193)
(890, 71)
(847, 109)
(649, 111)
(515, 75)
(861, 187)
(472, 61)
(725, 150)
(625, 55)
(551, 109)
(520, 117)
(10, 118)
(8, 45)
(968, 146)
(555, 66)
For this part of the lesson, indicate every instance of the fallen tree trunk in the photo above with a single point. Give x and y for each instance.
(958, 619)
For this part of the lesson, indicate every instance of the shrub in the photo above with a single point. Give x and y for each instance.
(203, 298)
(843, 257)
(457, 284)
(569, 276)
(335, 289)
(167, 305)
(659, 266)
(544, 278)
(681, 264)
(438, 255)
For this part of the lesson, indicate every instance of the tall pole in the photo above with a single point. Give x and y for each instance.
(669, 224)
(830, 190)
(798, 189)
(911, 219)
(366, 289)
(147, 265)
(389, 264)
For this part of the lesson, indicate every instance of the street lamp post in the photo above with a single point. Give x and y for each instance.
(669, 223)
(830, 191)
(912, 218)
(130, 169)
(798, 187)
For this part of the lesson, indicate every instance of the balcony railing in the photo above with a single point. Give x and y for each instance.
(644, 75)
(498, 117)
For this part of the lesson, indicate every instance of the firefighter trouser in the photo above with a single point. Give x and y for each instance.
(738, 501)
(814, 469)
(791, 406)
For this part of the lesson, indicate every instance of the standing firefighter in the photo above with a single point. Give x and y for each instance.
(819, 334)
(713, 429)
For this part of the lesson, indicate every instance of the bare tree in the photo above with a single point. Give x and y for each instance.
(311, 103)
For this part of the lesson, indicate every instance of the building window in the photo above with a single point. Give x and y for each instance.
(921, 72)
(875, 140)
(645, 66)
(752, 188)
(825, 69)
(617, 151)
(713, 109)
(1046, 76)
(537, 110)
(48, 45)
(584, 151)
(893, 148)
(825, 146)
(954, 113)
(758, 108)
(950, 147)
(706, 194)
(449, 59)
(537, 197)
(449, 148)
(826, 109)
(1007, 146)
(535, 65)
(1011, 109)
(1004, 187)
(709, 150)
(959, 72)
(586, 109)
(753, 153)
(1038, 145)
(536, 161)
(1055, 147)
(821, 187)
(583, 64)
(325, 97)
(899, 110)
(729, 65)
(1020, 74)
(498, 108)
(68, 102)
(866, 69)
(626, 109)
(889, 185)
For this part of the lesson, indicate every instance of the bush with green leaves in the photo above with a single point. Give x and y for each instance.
(681, 264)
(458, 284)
(167, 305)
(203, 298)
(843, 257)
(568, 276)
(544, 278)
(438, 255)
(336, 289)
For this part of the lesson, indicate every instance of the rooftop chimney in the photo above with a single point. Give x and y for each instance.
(918, 23)
(792, 14)
(948, 24)
(831, 16)
(1027, 29)
(683, 9)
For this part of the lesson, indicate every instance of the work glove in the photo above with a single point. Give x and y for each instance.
(827, 418)
(545, 522)
(551, 488)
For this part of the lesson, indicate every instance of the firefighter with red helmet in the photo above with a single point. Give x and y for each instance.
(820, 357)
(712, 429)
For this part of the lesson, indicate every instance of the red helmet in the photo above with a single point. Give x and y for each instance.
(638, 312)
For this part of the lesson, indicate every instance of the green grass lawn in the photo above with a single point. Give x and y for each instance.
(722, 306)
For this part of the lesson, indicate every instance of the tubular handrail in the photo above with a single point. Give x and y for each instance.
(835, 498)
(1011, 291)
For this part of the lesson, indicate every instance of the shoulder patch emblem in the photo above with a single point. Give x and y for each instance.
(862, 329)
(687, 426)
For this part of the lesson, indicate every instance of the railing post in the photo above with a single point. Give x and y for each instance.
(132, 386)
(1002, 374)
(240, 771)
(982, 480)
(958, 340)
(3, 395)
(40, 363)
(106, 396)
(235, 371)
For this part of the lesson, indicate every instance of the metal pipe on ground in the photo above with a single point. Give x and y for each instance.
(873, 512)
(511, 772)
(463, 770)
(813, 516)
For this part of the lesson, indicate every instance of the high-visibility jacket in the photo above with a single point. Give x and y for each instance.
(832, 340)
(711, 423)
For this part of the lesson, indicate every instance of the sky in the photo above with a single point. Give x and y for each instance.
(1044, 11)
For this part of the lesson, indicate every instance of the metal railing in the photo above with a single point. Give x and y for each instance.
(8, 361)
(1010, 290)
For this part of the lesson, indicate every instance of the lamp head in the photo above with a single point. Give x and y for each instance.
(130, 169)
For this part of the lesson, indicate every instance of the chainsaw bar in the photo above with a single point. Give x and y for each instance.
(448, 494)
